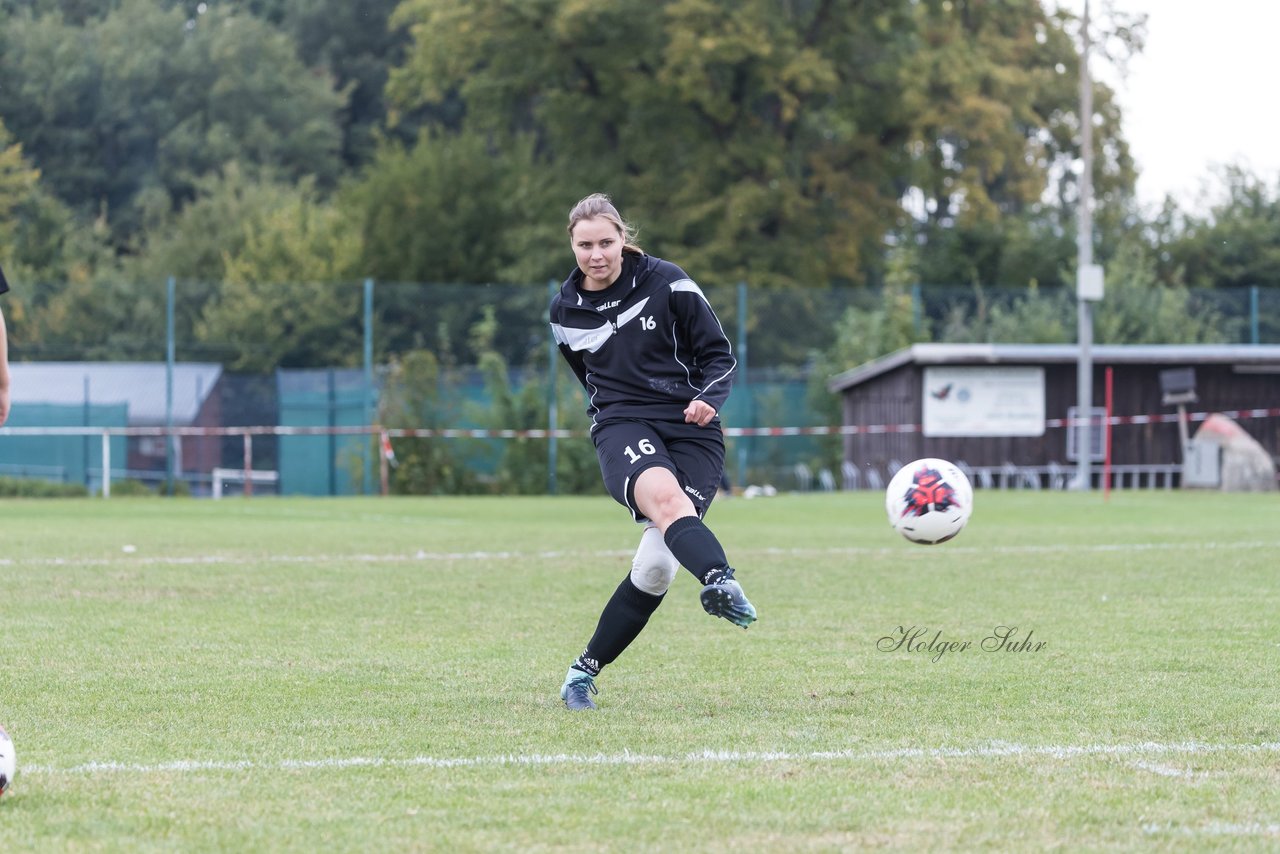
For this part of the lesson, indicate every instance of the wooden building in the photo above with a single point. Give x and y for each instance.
(1003, 410)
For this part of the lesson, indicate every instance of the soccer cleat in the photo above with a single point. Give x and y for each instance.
(724, 598)
(577, 690)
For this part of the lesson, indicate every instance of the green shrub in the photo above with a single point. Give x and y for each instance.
(130, 488)
(22, 487)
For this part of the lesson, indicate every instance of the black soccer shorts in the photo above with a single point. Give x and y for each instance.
(694, 454)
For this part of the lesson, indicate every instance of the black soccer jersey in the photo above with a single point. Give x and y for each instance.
(645, 346)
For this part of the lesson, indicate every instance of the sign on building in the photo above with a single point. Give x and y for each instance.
(983, 401)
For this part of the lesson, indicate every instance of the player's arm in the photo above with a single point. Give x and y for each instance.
(711, 346)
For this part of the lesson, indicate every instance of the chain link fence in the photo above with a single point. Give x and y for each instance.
(190, 377)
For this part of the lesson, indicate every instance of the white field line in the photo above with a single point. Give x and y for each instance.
(706, 757)
(133, 558)
(1167, 770)
(1215, 828)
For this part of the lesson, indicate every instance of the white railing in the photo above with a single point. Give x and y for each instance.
(246, 474)
(248, 477)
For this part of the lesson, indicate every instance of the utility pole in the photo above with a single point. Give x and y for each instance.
(1088, 276)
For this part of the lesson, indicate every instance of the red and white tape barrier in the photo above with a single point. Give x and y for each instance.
(537, 433)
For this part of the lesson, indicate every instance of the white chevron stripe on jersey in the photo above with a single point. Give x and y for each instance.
(632, 313)
(687, 285)
(590, 340)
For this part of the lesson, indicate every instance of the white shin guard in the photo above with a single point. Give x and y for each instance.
(654, 567)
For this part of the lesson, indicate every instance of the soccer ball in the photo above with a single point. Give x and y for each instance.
(8, 761)
(929, 501)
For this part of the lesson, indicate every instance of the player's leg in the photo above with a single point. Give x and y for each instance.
(625, 614)
(676, 505)
(661, 498)
(624, 449)
(623, 617)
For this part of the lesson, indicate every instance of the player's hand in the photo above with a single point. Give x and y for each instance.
(699, 412)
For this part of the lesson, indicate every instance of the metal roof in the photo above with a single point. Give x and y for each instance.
(1043, 354)
(142, 386)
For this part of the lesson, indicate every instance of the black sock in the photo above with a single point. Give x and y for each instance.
(696, 548)
(624, 615)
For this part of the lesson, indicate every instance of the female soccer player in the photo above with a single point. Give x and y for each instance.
(657, 367)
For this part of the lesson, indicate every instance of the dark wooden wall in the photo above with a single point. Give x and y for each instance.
(895, 398)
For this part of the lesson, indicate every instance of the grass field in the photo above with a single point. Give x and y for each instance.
(382, 675)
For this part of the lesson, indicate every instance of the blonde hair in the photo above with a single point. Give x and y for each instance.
(600, 205)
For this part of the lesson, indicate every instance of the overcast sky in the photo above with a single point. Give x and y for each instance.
(1202, 93)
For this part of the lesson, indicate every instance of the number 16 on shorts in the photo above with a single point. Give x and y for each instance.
(645, 448)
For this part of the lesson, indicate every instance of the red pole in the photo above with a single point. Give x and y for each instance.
(384, 462)
(1106, 442)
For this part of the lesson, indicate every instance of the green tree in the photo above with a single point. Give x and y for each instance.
(513, 404)
(41, 247)
(72, 11)
(100, 316)
(124, 114)
(1012, 250)
(289, 297)
(1138, 309)
(414, 396)
(892, 323)
(49, 246)
(767, 142)
(1229, 239)
(195, 243)
(449, 209)
(353, 42)
(994, 98)
(455, 209)
(522, 468)
(17, 182)
(240, 233)
(752, 141)
(886, 321)
(266, 275)
(1033, 315)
